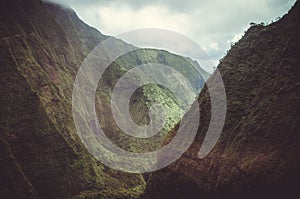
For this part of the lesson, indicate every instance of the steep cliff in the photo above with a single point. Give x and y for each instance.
(42, 47)
(257, 155)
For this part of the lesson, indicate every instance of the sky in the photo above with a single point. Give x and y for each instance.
(212, 24)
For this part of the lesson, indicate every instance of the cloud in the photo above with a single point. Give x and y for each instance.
(212, 24)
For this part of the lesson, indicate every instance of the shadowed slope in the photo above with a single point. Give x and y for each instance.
(257, 155)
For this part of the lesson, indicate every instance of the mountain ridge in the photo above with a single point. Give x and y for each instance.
(42, 156)
(257, 155)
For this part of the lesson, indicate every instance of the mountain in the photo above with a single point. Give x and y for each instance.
(257, 155)
(146, 96)
(42, 48)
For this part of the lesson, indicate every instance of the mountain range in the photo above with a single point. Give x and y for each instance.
(41, 155)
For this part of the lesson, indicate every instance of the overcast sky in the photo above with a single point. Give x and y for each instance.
(213, 24)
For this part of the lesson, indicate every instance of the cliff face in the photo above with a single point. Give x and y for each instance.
(42, 47)
(257, 155)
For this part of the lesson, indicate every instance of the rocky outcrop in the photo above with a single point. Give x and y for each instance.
(257, 155)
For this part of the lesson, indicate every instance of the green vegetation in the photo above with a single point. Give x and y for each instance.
(43, 46)
(145, 97)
